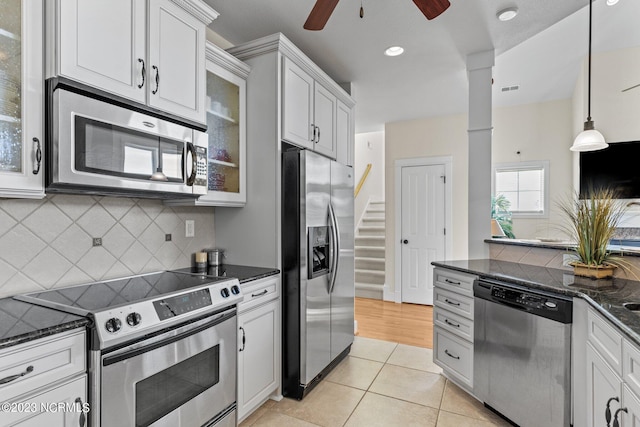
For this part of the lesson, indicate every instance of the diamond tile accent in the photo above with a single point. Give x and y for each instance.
(117, 206)
(46, 243)
(96, 221)
(19, 245)
(73, 206)
(6, 222)
(47, 222)
(73, 243)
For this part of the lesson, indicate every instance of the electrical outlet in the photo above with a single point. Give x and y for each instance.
(167, 237)
(189, 228)
(97, 241)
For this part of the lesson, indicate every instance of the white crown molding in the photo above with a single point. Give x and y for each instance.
(199, 9)
(226, 60)
(280, 43)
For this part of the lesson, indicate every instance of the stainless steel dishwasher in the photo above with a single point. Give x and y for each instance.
(522, 347)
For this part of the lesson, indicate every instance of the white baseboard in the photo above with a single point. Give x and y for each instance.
(391, 295)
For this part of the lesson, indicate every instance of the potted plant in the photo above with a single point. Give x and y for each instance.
(591, 224)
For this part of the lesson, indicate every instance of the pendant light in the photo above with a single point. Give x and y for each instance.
(589, 139)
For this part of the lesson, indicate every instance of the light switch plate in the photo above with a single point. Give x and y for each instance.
(189, 228)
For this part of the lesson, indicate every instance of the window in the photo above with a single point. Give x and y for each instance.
(525, 185)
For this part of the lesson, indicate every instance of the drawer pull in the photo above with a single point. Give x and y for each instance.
(456, 325)
(448, 301)
(451, 355)
(260, 293)
(15, 377)
(452, 282)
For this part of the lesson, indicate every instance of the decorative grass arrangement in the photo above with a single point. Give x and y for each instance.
(591, 223)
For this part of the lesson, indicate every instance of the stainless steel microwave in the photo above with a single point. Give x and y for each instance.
(95, 146)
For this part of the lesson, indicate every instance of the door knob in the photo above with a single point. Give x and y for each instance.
(405, 241)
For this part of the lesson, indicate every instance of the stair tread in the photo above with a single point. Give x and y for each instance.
(374, 272)
(367, 258)
(368, 285)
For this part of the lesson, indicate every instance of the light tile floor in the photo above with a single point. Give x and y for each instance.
(380, 383)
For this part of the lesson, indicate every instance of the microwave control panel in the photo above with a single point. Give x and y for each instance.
(201, 176)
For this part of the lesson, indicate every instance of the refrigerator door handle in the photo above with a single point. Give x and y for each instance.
(335, 238)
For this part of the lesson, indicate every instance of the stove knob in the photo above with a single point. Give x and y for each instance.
(235, 290)
(113, 325)
(133, 319)
(224, 292)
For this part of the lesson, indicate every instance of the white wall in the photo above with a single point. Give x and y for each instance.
(541, 131)
(442, 136)
(369, 148)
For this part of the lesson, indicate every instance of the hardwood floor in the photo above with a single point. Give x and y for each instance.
(410, 324)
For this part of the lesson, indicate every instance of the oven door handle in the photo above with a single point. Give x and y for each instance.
(128, 354)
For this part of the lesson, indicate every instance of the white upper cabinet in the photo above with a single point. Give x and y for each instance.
(21, 99)
(310, 111)
(344, 134)
(297, 115)
(151, 52)
(102, 43)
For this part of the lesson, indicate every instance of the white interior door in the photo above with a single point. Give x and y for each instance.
(423, 229)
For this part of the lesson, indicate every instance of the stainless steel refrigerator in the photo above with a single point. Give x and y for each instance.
(318, 267)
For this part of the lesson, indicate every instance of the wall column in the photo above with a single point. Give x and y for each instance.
(479, 70)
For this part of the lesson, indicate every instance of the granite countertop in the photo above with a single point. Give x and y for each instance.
(21, 322)
(607, 298)
(243, 273)
(561, 245)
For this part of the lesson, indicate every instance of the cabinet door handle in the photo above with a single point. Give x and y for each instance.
(157, 79)
(318, 141)
(313, 137)
(615, 417)
(16, 376)
(144, 72)
(259, 293)
(455, 325)
(452, 282)
(451, 355)
(82, 419)
(448, 301)
(607, 412)
(38, 156)
(244, 338)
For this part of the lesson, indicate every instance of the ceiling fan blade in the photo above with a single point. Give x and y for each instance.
(632, 87)
(320, 14)
(432, 8)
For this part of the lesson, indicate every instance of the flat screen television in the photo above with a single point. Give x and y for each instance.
(617, 167)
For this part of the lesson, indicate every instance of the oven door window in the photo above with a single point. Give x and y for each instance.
(117, 151)
(167, 390)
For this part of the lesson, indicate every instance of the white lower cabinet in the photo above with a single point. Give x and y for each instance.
(44, 382)
(453, 325)
(606, 371)
(258, 345)
(61, 406)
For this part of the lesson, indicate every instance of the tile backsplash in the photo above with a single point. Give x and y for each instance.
(48, 243)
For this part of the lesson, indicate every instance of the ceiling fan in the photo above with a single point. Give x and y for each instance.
(323, 9)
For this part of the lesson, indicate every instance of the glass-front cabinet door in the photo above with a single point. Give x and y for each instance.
(226, 90)
(21, 99)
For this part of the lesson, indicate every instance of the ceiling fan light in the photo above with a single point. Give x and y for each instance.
(611, 2)
(394, 51)
(507, 14)
(589, 139)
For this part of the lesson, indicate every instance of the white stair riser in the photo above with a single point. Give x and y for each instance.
(370, 264)
(371, 231)
(370, 241)
(370, 276)
(369, 291)
(370, 252)
(374, 214)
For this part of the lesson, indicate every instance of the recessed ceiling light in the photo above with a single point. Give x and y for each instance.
(611, 2)
(507, 14)
(394, 51)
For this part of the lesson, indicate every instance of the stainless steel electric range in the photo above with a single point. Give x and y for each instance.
(162, 348)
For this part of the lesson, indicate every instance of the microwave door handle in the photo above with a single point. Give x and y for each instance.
(194, 164)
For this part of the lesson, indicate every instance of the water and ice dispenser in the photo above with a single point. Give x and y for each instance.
(318, 245)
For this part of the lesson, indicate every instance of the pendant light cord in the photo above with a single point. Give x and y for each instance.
(589, 68)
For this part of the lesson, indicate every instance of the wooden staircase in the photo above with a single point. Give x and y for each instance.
(369, 252)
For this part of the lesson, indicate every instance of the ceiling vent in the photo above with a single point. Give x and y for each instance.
(510, 88)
